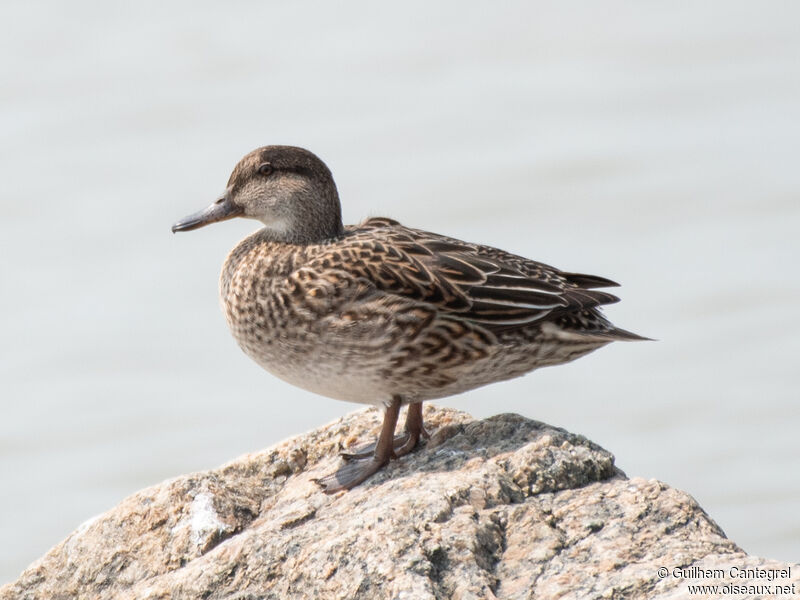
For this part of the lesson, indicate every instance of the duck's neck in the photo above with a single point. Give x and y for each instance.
(312, 221)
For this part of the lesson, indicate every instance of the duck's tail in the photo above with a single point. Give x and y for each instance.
(590, 324)
(623, 335)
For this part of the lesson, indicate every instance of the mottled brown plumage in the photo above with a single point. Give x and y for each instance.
(384, 314)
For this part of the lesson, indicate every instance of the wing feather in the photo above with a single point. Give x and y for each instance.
(477, 283)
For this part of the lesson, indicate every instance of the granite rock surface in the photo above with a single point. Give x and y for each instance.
(503, 507)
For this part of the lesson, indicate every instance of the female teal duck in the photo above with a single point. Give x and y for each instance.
(383, 314)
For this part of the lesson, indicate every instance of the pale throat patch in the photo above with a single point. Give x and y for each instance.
(279, 226)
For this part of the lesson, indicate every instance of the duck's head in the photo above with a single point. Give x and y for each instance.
(288, 189)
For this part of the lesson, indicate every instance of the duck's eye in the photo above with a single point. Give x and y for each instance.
(265, 169)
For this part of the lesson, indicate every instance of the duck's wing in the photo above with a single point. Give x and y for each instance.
(478, 283)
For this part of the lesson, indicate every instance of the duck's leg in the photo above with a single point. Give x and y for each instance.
(354, 472)
(415, 430)
(403, 443)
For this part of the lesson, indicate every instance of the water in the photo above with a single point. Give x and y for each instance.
(656, 145)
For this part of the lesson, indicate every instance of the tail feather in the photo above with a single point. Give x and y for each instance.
(623, 335)
(592, 325)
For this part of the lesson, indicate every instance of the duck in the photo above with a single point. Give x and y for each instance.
(383, 314)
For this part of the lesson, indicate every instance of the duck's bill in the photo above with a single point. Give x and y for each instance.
(221, 210)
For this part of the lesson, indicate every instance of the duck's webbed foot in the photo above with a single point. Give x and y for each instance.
(367, 450)
(368, 460)
(351, 474)
(403, 443)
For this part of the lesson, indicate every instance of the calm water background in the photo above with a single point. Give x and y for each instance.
(656, 145)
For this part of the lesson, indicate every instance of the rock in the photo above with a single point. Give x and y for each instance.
(505, 507)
